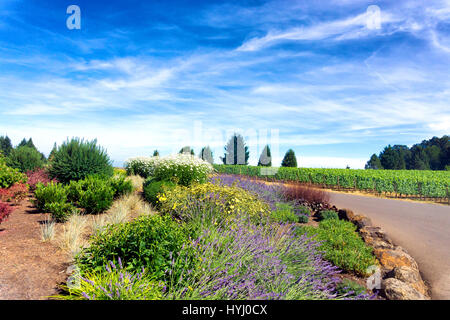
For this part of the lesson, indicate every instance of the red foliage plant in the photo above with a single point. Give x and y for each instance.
(15, 193)
(38, 175)
(5, 211)
(308, 194)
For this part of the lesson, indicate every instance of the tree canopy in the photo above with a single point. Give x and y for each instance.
(432, 154)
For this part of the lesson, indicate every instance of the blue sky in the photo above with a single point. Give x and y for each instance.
(306, 75)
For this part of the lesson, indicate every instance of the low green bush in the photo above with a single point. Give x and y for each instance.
(284, 213)
(60, 211)
(303, 218)
(153, 188)
(328, 214)
(53, 192)
(302, 210)
(9, 176)
(342, 245)
(149, 242)
(95, 194)
(121, 185)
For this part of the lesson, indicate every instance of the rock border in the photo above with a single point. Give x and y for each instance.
(401, 279)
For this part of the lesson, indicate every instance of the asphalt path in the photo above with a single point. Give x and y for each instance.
(423, 229)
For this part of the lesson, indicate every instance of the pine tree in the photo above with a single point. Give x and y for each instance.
(156, 153)
(289, 159)
(236, 152)
(22, 143)
(31, 144)
(50, 156)
(265, 159)
(206, 154)
(5, 146)
(374, 163)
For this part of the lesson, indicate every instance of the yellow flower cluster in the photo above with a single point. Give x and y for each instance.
(230, 200)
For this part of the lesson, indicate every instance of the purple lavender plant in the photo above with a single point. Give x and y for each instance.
(247, 261)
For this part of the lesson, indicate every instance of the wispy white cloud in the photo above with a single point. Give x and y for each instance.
(134, 103)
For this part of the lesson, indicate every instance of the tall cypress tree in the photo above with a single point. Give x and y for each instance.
(206, 154)
(265, 159)
(236, 152)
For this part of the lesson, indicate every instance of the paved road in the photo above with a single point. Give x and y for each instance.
(423, 229)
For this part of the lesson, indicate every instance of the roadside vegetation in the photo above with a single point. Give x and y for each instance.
(179, 227)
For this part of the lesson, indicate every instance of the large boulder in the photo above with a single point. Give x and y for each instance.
(346, 214)
(395, 289)
(411, 277)
(389, 259)
(375, 237)
(361, 221)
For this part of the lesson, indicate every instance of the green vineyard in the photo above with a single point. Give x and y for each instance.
(401, 183)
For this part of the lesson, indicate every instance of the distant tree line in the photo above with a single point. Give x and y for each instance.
(433, 154)
(25, 156)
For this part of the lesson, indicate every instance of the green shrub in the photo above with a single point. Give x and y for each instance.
(148, 242)
(303, 218)
(120, 172)
(121, 185)
(77, 159)
(328, 214)
(60, 211)
(350, 287)
(51, 193)
(152, 188)
(302, 210)
(25, 159)
(342, 245)
(95, 194)
(284, 213)
(9, 176)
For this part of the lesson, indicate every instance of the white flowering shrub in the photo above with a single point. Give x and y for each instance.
(183, 169)
(142, 166)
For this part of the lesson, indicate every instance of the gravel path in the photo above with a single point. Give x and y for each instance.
(29, 268)
(423, 229)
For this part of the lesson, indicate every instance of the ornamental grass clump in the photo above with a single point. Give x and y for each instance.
(113, 283)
